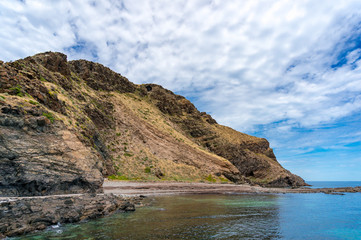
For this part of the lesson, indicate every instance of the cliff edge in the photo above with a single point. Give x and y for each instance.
(64, 125)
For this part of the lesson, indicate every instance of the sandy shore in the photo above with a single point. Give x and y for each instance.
(166, 188)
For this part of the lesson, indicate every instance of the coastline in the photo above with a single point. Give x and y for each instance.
(130, 188)
(21, 215)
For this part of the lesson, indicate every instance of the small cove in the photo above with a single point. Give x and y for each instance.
(245, 216)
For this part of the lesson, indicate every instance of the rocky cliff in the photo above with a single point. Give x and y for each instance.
(64, 125)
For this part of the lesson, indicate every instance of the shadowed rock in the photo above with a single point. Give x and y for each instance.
(20, 216)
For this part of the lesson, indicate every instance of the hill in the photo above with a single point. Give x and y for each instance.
(65, 125)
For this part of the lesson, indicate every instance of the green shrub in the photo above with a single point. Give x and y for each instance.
(210, 178)
(147, 170)
(2, 97)
(18, 91)
(49, 116)
(33, 102)
(223, 180)
(118, 177)
(128, 154)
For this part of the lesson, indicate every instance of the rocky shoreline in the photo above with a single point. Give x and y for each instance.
(21, 215)
(166, 188)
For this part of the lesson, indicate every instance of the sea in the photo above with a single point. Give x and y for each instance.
(241, 216)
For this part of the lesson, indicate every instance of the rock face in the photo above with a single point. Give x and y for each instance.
(252, 156)
(66, 125)
(20, 216)
(38, 157)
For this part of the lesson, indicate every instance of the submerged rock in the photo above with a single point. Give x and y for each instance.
(23, 215)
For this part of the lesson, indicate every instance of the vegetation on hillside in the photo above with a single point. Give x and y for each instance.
(140, 132)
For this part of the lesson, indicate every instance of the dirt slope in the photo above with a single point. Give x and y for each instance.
(70, 123)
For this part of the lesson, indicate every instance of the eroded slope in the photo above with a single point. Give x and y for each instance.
(64, 125)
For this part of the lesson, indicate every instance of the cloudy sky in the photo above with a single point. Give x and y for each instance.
(289, 71)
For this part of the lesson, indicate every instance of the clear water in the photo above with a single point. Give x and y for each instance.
(248, 216)
(333, 184)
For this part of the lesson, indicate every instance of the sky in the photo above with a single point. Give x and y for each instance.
(288, 71)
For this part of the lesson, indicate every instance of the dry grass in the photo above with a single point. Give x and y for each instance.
(134, 168)
(232, 135)
(145, 110)
(166, 150)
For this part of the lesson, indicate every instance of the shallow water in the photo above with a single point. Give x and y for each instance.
(333, 184)
(247, 216)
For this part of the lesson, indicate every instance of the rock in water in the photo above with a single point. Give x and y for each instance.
(20, 216)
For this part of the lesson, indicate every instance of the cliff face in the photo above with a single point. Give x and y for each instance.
(64, 125)
(38, 156)
(252, 156)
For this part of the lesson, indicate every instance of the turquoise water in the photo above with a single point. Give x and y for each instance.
(333, 184)
(247, 216)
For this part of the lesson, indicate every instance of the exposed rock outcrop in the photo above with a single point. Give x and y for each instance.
(41, 157)
(252, 156)
(24, 215)
(66, 125)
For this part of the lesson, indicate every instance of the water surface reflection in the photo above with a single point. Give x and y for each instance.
(185, 217)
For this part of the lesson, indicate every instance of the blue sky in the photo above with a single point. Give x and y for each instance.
(288, 71)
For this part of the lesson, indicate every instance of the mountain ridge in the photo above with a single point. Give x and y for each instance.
(122, 131)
